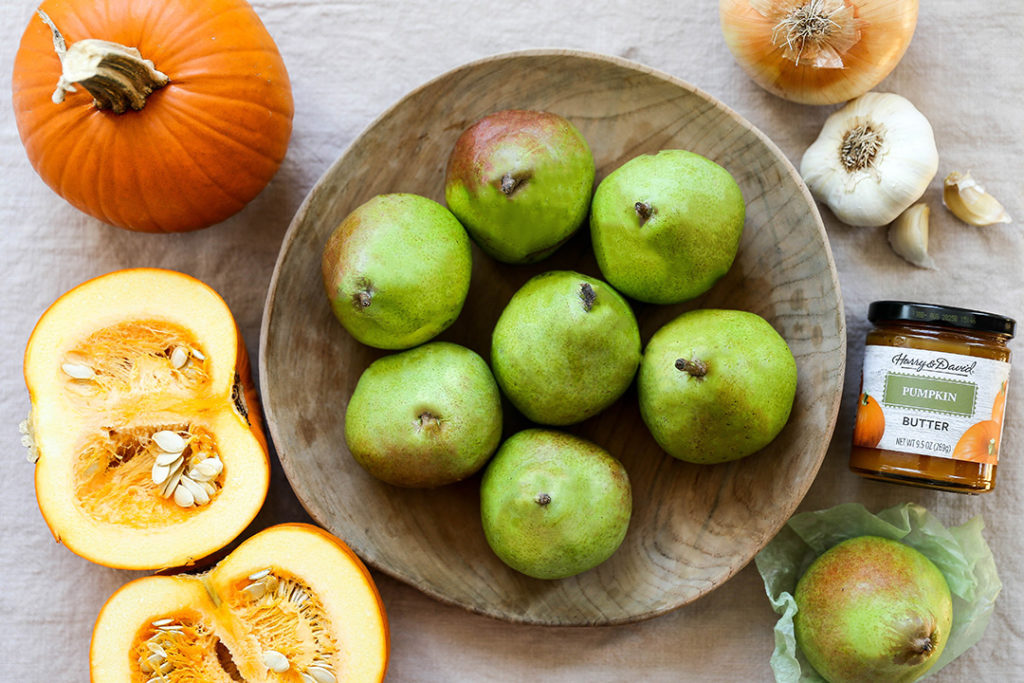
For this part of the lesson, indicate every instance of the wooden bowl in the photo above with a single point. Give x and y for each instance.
(693, 527)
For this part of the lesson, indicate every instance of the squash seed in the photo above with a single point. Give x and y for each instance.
(172, 479)
(321, 675)
(275, 661)
(162, 622)
(27, 440)
(169, 442)
(167, 459)
(197, 354)
(259, 575)
(196, 476)
(255, 591)
(306, 678)
(207, 470)
(160, 473)
(179, 356)
(199, 496)
(78, 371)
(183, 497)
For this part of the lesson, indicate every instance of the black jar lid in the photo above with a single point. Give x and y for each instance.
(945, 316)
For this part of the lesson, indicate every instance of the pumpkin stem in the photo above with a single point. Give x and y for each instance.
(116, 76)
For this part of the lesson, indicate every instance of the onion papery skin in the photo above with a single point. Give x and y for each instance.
(885, 27)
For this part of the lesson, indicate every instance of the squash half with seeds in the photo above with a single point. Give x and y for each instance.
(292, 603)
(145, 426)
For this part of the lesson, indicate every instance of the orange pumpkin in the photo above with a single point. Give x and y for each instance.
(145, 427)
(291, 604)
(176, 144)
(980, 443)
(999, 405)
(870, 424)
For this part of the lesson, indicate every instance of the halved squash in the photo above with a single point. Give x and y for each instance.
(145, 424)
(292, 603)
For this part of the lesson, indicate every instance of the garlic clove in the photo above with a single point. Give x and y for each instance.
(908, 236)
(969, 202)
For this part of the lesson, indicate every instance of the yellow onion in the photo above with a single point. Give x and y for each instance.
(818, 51)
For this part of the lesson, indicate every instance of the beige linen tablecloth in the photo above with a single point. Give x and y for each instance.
(348, 61)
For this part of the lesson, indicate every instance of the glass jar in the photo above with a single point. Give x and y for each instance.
(933, 391)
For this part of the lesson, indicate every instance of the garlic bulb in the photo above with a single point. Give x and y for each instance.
(818, 51)
(872, 159)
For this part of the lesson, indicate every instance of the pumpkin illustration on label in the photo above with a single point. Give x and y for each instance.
(980, 443)
(870, 423)
(999, 405)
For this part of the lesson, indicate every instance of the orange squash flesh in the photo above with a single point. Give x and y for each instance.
(316, 606)
(94, 437)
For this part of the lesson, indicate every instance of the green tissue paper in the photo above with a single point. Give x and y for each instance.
(959, 552)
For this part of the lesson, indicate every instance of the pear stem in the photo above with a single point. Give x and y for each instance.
(509, 184)
(695, 368)
(644, 210)
(362, 300)
(427, 420)
(921, 642)
(588, 296)
(924, 645)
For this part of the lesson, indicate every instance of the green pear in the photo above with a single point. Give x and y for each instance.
(716, 385)
(565, 347)
(425, 417)
(520, 181)
(396, 270)
(872, 609)
(554, 505)
(665, 227)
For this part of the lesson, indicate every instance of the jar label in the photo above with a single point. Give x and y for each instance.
(931, 403)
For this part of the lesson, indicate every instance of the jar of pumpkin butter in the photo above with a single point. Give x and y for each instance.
(933, 392)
